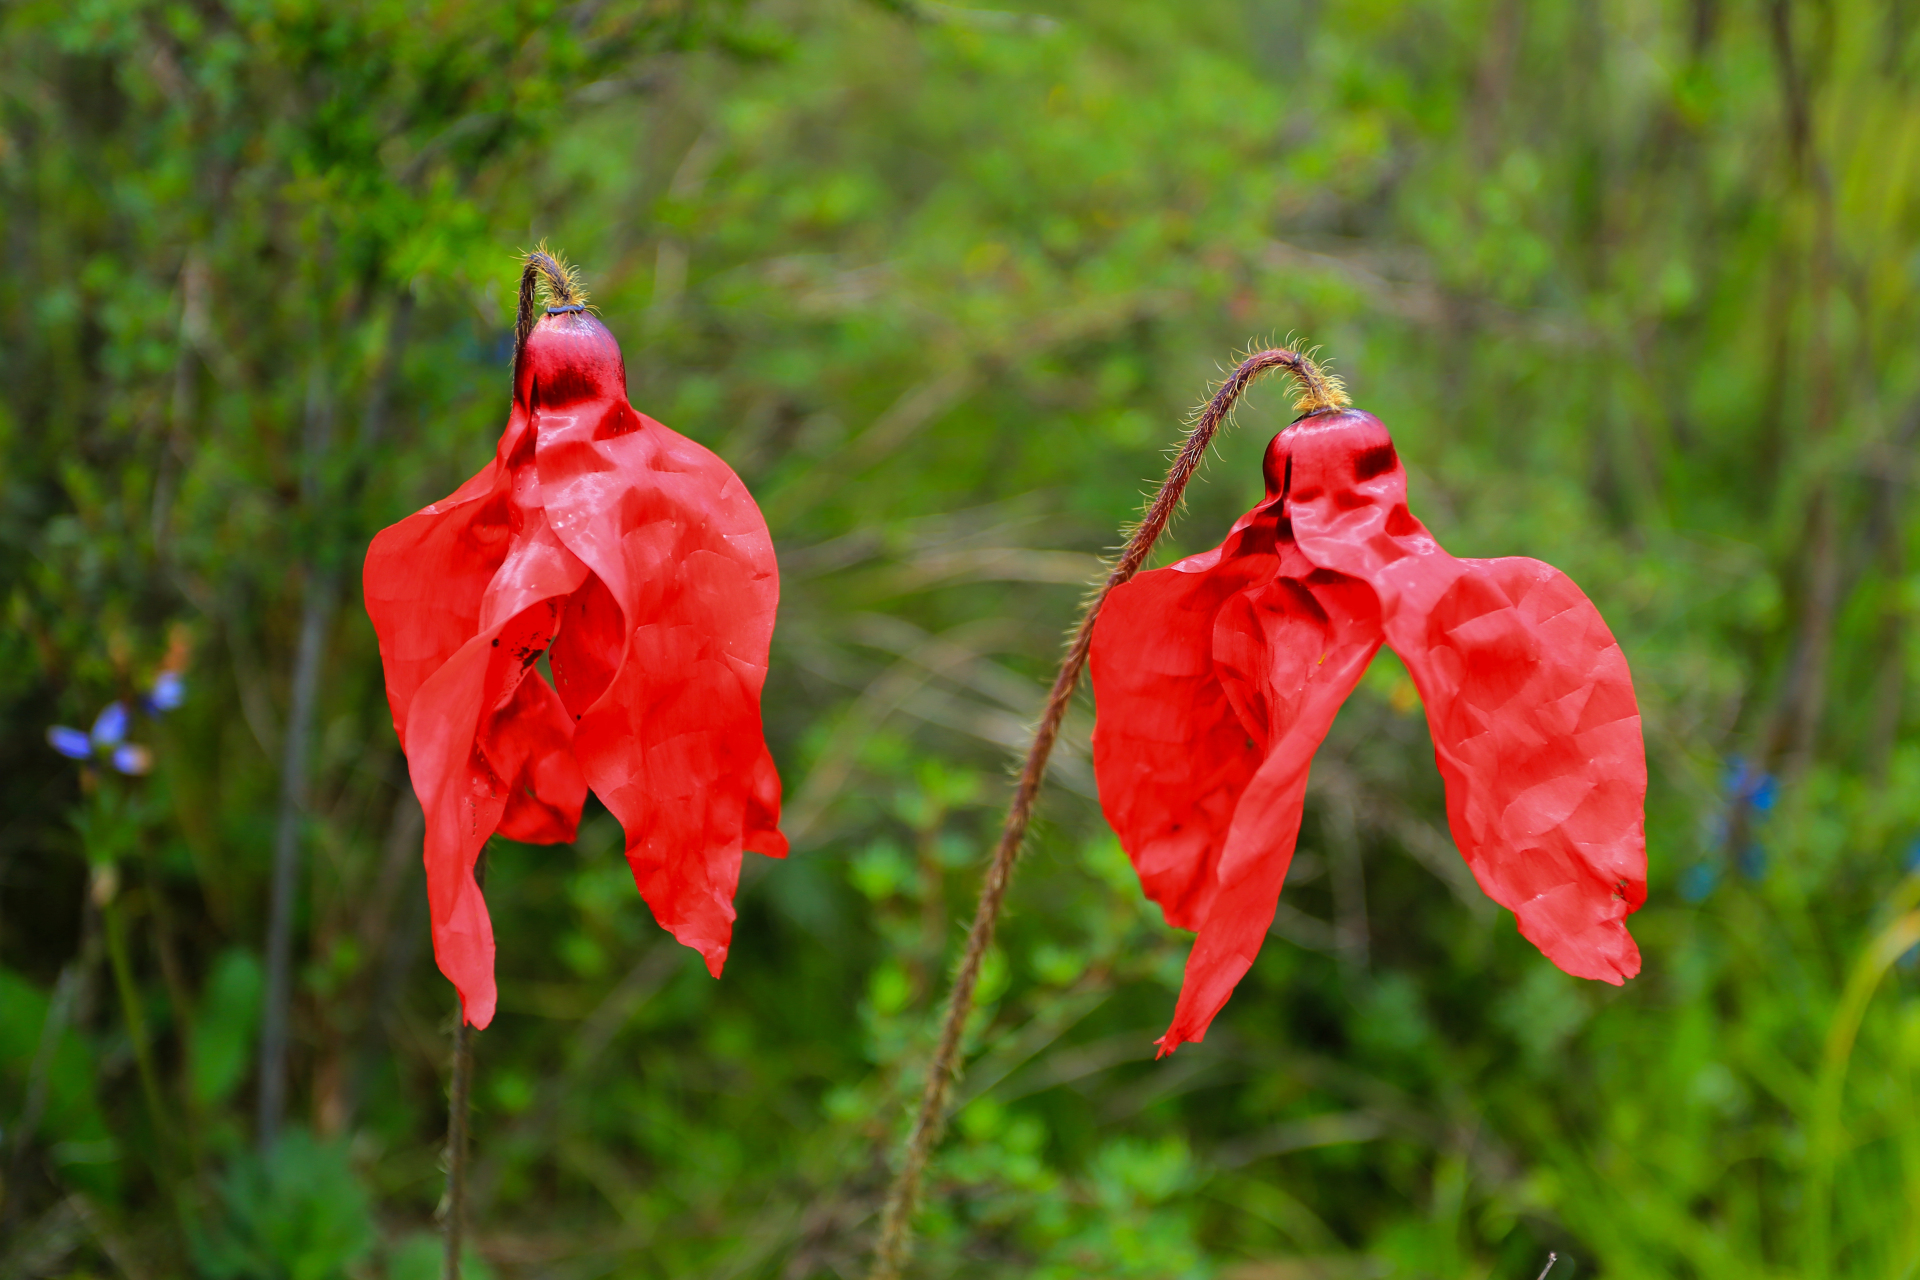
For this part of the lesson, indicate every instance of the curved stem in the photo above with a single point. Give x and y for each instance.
(1825, 1135)
(524, 317)
(1319, 393)
(544, 272)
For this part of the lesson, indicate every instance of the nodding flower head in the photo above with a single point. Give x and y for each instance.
(638, 566)
(1216, 679)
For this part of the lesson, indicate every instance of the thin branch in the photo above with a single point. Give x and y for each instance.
(316, 620)
(1318, 393)
(320, 596)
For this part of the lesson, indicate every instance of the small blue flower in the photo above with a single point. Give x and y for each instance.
(168, 692)
(71, 743)
(132, 759)
(1697, 881)
(110, 727)
(1744, 782)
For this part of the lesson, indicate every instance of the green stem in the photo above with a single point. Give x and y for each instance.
(1887, 946)
(136, 1018)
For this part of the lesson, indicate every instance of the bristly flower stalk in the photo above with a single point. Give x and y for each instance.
(1318, 392)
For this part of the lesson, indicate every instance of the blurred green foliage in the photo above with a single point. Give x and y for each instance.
(1635, 285)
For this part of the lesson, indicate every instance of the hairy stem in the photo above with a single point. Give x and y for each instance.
(543, 273)
(1318, 393)
(524, 317)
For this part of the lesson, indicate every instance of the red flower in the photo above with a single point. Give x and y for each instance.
(637, 562)
(1218, 676)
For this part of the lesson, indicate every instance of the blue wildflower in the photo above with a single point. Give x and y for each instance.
(108, 737)
(168, 693)
(71, 743)
(110, 726)
(1756, 787)
(132, 759)
(1697, 881)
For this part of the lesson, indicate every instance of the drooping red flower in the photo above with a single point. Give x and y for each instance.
(638, 564)
(1218, 676)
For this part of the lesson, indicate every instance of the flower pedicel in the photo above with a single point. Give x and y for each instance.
(1218, 676)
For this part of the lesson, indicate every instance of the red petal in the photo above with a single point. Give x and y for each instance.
(474, 741)
(529, 742)
(425, 575)
(1290, 652)
(661, 665)
(1170, 755)
(1528, 697)
(1216, 681)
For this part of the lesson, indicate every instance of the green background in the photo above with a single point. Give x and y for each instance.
(1633, 283)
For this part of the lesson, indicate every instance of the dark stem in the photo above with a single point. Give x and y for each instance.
(1318, 394)
(459, 1091)
(316, 617)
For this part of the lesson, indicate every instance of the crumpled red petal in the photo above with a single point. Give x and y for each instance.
(425, 575)
(667, 730)
(1528, 697)
(647, 576)
(1171, 755)
(1535, 725)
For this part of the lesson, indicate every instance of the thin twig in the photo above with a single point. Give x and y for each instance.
(1319, 393)
(459, 1091)
(318, 597)
(316, 620)
(1551, 1259)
